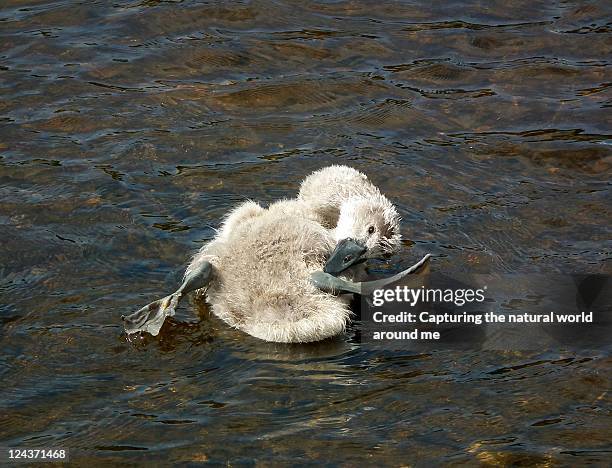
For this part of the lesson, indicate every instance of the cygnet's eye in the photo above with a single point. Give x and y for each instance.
(371, 230)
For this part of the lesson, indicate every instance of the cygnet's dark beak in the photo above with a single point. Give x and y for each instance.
(348, 252)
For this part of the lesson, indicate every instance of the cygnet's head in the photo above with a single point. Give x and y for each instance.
(368, 227)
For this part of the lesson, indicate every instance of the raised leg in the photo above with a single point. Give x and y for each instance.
(330, 284)
(151, 317)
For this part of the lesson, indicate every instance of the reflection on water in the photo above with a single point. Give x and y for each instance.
(129, 128)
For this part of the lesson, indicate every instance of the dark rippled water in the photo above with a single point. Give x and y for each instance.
(127, 130)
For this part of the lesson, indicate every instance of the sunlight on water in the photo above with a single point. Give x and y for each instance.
(129, 128)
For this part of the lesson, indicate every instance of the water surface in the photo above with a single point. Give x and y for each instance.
(127, 130)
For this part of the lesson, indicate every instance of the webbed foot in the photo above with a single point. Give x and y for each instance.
(151, 317)
(333, 285)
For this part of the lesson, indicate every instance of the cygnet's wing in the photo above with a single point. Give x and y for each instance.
(151, 317)
(330, 284)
